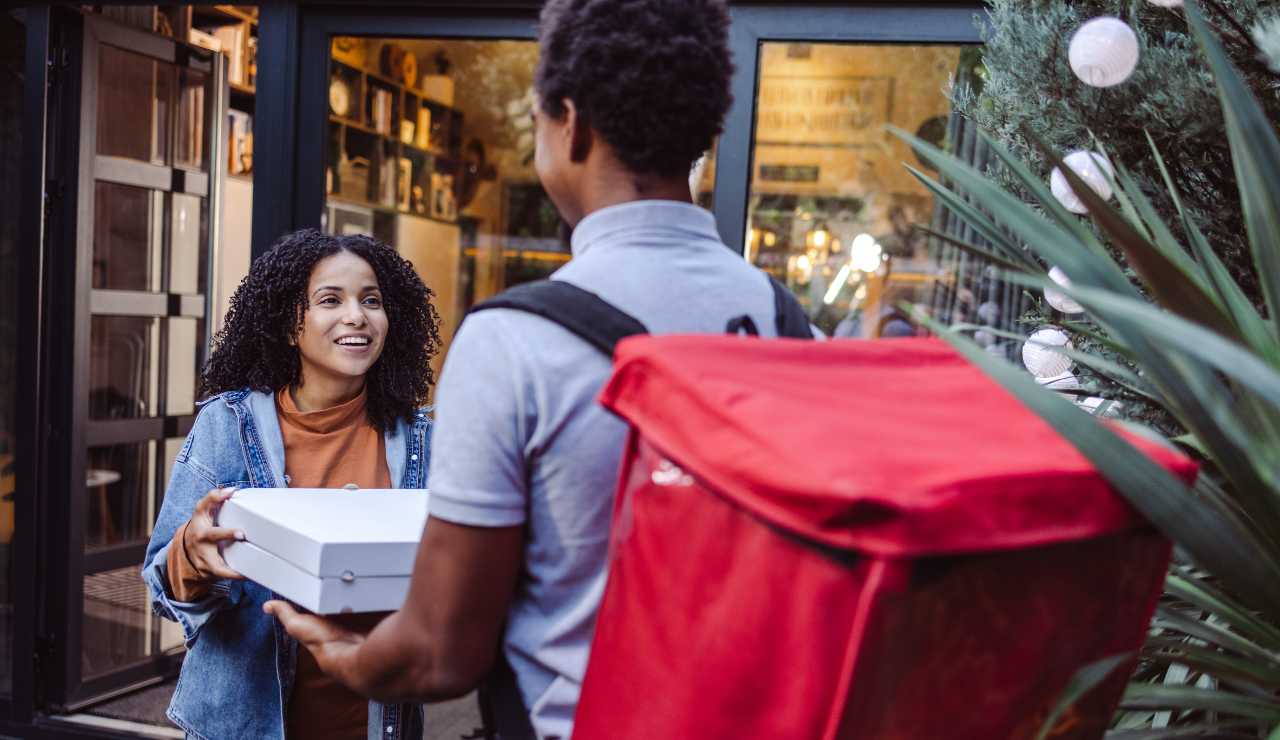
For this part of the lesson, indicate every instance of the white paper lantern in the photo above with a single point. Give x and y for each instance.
(1039, 355)
(989, 313)
(1091, 167)
(1167, 3)
(1064, 382)
(1103, 52)
(1059, 300)
(984, 338)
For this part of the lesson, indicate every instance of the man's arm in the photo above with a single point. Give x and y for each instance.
(444, 639)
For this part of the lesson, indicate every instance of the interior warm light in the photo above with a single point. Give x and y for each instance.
(837, 285)
(770, 238)
(865, 253)
(805, 266)
(820, 235)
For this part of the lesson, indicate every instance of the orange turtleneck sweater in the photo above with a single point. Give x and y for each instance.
(329, 448)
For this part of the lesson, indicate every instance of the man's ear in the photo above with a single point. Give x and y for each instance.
(580, 133)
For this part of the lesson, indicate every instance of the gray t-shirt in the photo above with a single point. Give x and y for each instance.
(519, 437)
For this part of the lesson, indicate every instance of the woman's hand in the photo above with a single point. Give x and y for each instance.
(202, 537)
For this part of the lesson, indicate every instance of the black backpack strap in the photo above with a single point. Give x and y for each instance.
(742, 324)
(792, 320)
(581, 312)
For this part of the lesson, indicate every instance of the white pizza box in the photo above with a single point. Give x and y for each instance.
(318, 595)
(332, 533)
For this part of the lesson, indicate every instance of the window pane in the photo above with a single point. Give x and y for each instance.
(120, 483)
(190, 135)
(188, 248)
(440, 165)
(12, 50)
(185, 341)
(832, 209)
(123, 369)
(126, 238)
(135, 97)
(119, 628)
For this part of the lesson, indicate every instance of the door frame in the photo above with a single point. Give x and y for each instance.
(25, 588)
(66, 354)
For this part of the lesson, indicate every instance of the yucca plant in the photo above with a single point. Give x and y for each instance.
(1194, 345)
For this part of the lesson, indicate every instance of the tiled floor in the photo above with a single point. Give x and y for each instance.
(445, 721)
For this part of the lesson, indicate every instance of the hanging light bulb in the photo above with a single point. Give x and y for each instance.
(1093, 168)
(1103, 52)
(1059, 300)
(1040, 355)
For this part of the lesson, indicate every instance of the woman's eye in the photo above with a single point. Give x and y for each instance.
(328, 300)
(372, 301)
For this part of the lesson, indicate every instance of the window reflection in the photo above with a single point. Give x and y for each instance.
(431, 150)
(832, 211)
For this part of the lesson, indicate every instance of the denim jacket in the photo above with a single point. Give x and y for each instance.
(239, 669)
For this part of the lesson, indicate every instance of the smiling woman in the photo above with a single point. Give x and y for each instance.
(315, 381)
(280, 320)
(342, 332)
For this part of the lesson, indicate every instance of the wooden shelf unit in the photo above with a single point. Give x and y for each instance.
(446, 123)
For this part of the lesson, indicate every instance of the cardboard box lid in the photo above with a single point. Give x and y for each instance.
(332, 532)
(316, 594)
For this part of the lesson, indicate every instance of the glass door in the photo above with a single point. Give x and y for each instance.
(149, 167)
(430, 149)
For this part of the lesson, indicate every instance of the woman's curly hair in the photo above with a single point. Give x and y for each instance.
(651, 76)
(255, 350)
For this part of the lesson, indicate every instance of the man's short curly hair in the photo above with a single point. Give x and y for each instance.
(651, 76)
(255, 350)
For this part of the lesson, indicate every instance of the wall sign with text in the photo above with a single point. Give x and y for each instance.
(823, 111)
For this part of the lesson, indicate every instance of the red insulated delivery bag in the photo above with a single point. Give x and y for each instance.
(854, 540)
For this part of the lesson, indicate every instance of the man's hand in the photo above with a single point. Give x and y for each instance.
(333, 646)
(444, 639)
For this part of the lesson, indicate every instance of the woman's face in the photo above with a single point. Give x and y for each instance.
(345, 325)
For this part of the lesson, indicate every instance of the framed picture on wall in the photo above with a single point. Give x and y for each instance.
(443, 204)
(345, 219)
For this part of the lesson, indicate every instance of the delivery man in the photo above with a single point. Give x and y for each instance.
(513, 558)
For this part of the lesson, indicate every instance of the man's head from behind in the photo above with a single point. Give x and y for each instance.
(635, 90)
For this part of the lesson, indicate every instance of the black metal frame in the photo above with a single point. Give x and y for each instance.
(954, 23)
(21, 706)
(62, 362)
